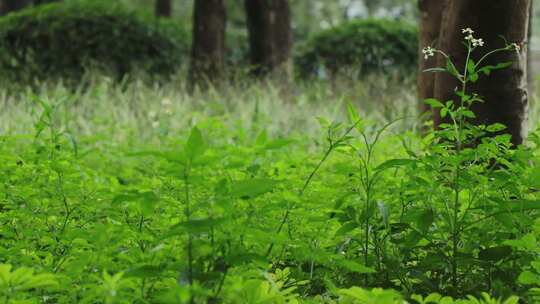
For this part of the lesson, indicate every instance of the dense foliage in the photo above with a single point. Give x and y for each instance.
(361, 47)
(63, 39)
(179, 204)
(250, 218)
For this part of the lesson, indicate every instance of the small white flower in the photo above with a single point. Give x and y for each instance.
(469, 37)
(428, 52)
(166, 102)
(477, 42)
(467, 31)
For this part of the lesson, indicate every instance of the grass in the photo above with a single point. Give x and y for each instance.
(113, 109)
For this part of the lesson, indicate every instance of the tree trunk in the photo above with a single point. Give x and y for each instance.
(504, 91)
(208, 49)
(163, 8)
(270, 36)
(430, 27)
(530, 76)
(38, 2)
(8, 6)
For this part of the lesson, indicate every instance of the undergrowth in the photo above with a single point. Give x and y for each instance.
(256, 194)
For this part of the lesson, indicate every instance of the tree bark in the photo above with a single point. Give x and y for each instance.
(270, 36)
(530, 76)
(8, 6)
(208, 49)
(163, 8)
(504, 91)
(39, 2)
(431, 12)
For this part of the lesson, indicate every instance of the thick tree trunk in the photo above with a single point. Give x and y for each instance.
(38, 2)
(270, 36)
(8, 6)
(208, 49)
(163, 8)
(430, 26)
(504, 91)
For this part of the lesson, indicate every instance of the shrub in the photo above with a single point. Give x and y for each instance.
(63, 39)
(365, 46)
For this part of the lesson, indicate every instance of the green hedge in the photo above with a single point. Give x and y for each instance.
(63, 39)
(363, 46)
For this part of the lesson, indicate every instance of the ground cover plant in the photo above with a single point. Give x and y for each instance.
(148, 204)
(259, 190)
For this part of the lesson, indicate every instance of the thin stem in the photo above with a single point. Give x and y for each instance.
(491, 53)
(457, 190)
(188, 217)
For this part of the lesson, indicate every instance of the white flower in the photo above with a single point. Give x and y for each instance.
(428, 52)
(469, 37)
(467, 31)
(477, 42)
(166, 102)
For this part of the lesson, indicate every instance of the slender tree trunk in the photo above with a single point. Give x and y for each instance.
(8, 6)
(270, 36)
(208, 49)
(431, 12)
(530, 76)
(163, 8)
(504, 91)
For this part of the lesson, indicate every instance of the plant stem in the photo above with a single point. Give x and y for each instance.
(188, 218)
(457, 177)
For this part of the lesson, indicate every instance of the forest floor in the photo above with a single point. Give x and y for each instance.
(318, 193)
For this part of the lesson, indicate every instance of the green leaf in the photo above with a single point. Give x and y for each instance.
(355, 266)
(529, 278)
(527, 242)
(251, 188)
(451, 68)
(144, 271)
(497, 127)
(394, 163)
(195, 146)
(145, 200)
(434, 103)
(422, 218)
(468, 113)
(503, 65)
(345, 228)
(444, 112)
(473, 77)
(471, 66)
(353, 113)
(195, 226)
(495, 254)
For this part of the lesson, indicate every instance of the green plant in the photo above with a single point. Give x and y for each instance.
(64, 39)
(14, 284)
(365, 46)
(464, 162)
